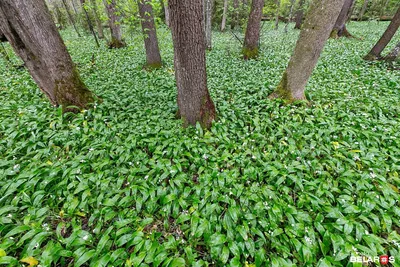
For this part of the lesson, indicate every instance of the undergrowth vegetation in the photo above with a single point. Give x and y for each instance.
(123, 184)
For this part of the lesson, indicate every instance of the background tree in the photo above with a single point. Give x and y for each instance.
(166, 11)
(34, 37)
(90, 24)
(394, 54)
(339, 29)
(153, 57)
(114, 23)
(70, 17)
(99, 25)
(252, 37)
(376, 51)
(363, 9)
(292, 2)
(235, 14)
(187, 26)
(278, 6)
(318, 24)
(299, 15)
(224, 15)
(208, 22)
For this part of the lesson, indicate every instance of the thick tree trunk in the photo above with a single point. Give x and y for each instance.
(299, 15)
(99, 26)
(71, 19)
(167, 16)
(235, 19)
(290, 14)
(340, 30)
(115, 28)
(363, 9)
(187, 25)
(315, 32)
(394, 54)
(153, 57)
(208, 22)
(34, 37)
(252, 38)
(376, 51)
(224, 15)
(278, 7)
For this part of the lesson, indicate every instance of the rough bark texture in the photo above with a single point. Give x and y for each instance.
(394, 54)
(313, 36)
(299, 15)
(113, 21)
(252, 37)
(99, 26)
(363, 9)
(278, 7)
(153, 57)
(376, 51)
(208, 22)
(187, 25)
(224, 15)
(34, 37)
(235, 19)
(340, 30)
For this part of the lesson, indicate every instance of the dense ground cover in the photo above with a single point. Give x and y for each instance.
(269, 185)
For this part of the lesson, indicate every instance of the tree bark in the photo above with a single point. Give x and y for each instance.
(153, 57)
(224, 16)
(340, 30)
(34, 37)
(235, 19)
(71, 19)
(99, 25)
(376, 51)
(278, 7)
(318, 24)
(187, 25)
(167, 16)
(113, 21)
(363, 9)
(299, 15)
(2, 36)
(252, 37)
(208, 22)
(394, 54)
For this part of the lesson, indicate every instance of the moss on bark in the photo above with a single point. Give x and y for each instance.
(116, 43)
(249, 53)
(207, 112)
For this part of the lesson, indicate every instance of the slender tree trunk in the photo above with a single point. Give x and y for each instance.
(74, 7)
(278, 7)
(99, 25)
(235, 19)
(187, 25)
(394, 54)
(224, 15)
(318, 24)
(114, 22)
(153, 57)
(252, 37)
(299, 15)
(290, 14)
(34, 37)
(376, 51)
(167, 16)
(71, 19)
(340, 30)
(363, 9)
(383, 9)
(89, 23)
(208, 22)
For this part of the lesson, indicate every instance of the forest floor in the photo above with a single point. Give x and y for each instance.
(268, 185)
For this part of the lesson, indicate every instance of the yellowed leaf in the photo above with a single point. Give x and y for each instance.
(30, 260)
(355, 151)
(2, 253)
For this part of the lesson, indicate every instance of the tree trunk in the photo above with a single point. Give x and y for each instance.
(99, 26)
(290, 14)
(376, 51)
(318, 24)
(278, 7)
(2, 36)
(166, 11)
(187, 25)
(208, 22)
(299, 15)
(224, 15)
(383, 9)
(235, 19)
(114, 22)
(394, 54)
(89, 21)
(71, 19)
(363, 9)
(340, 30)
(34, 37)
(252, 37)
(153, 57)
